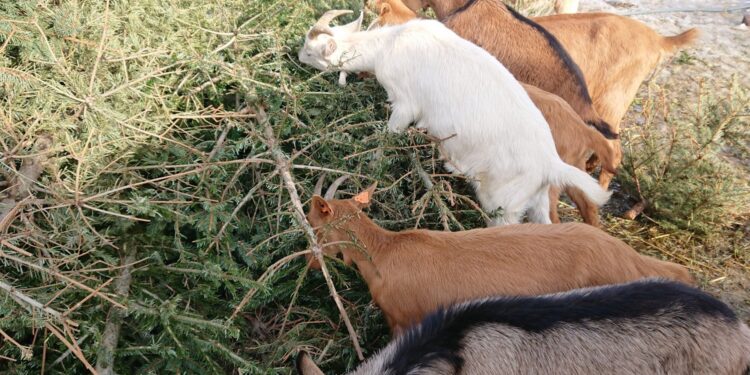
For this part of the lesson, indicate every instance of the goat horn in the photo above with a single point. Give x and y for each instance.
(319, 185)
(331, 192)
(322, 26)
(328, 16)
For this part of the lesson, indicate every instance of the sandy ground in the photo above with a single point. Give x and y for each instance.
(721, 54)
(723, 49)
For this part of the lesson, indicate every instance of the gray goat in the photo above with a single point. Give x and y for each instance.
(644, 327)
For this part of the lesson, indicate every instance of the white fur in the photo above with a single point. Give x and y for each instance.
(457, 91)
(566, 6)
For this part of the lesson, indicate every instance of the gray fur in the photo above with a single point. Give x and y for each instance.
(675, 340)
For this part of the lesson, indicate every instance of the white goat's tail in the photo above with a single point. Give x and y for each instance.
(565, 175)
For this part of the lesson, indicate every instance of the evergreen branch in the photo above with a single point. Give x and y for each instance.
(32, 304)
(237, 209)
(100, 50)
(270, 271)
(59, 276)
(26, 352)
(88, 297)
(67, 352)
(20, 187)
(283, 165)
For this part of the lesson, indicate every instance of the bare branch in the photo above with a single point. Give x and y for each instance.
(20, 186)
(58, 276)
(105, 359)
(283, 166)
(31, 304)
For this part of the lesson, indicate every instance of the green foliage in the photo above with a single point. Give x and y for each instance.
(680, 160)
(156, 150)
(158, 161)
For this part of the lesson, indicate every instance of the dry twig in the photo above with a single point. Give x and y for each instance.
(299, 213)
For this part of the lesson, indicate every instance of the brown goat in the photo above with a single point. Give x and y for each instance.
(584, 58)
(626, 52)
(413, 272)
(393, 12)
(574, 140)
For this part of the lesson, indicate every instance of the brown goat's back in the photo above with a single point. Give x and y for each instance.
(422, 270)
(615, 54)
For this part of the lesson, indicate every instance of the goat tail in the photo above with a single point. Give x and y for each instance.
(566, 175)
(673, 43)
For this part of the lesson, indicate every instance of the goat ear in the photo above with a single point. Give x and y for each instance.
(385, 9)
(329, 47)
(364, 198)
(306, 366)
(354, 26)
(320, 205)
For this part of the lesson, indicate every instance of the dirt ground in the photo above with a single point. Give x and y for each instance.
(723, 49)
(722, 54)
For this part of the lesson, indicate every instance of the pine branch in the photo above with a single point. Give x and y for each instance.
(282, 163)
(26, 352)
(31, 303)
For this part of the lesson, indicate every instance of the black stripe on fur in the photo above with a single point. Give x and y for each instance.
(604, 128)
(559, 50)
(462, 8)
(440, 335)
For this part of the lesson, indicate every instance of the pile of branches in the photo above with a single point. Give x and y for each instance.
(156, 161)
(156, 157)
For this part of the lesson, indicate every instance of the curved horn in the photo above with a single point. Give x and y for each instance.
(330, 15)
(322, 26)
(319, 185)
(331, 192)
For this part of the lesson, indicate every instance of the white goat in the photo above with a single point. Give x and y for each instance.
(490, 129)
(349, 28)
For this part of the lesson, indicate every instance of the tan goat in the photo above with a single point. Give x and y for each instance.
(574, 140)
(583, 58)
(393, 12)
(413, 272)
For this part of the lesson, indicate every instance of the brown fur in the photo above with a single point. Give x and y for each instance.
(615, 53)
(573, 139)
(393, 12)
(527, 55)
(627, 51)
(413, 272)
